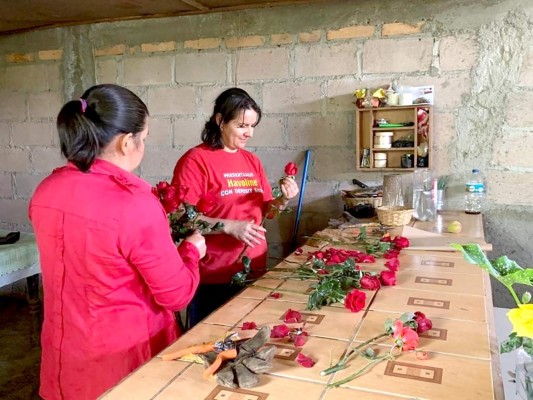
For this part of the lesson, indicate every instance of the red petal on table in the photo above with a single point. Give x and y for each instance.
(276, 295)
(422, 355)
(299, 340)
(298, 251)
(292, 316)
(280, 331)
(305, 361)
(248, 325)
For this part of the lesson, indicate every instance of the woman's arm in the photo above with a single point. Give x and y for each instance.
(248, 232)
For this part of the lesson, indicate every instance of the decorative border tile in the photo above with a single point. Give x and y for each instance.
(284, 352)
(413, 371)
(224, 393)
(309, 318)
(420, 302)
(434, 281)
(434, 263)
(435, 333)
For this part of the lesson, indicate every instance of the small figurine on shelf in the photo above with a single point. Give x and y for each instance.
(378, 98)
(360, 96)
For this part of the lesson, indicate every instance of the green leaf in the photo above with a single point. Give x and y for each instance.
(276, 192)
(475, 255)
(246, 261)
(527, 344)
(505, 266)
(217, 227)
(513, 342)
(524, 276)
(389, 326)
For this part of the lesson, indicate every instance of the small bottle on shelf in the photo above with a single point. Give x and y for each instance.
(474, 193)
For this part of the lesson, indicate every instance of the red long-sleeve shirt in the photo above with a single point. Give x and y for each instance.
(111, 276)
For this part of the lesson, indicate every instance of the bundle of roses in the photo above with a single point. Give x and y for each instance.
(184, 218)
(338, 275)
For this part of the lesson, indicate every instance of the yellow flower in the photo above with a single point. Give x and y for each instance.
(522, 320)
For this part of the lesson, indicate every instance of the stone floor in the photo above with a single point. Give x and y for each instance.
(19, 359)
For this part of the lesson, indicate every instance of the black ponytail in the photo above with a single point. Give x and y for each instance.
(86, 126)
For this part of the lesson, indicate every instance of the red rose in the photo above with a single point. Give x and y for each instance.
(279, 331)
(292, 316)
(206, 203)
(248, 325)
(391, 254)
(385, 239)
(370, 282)
(365, 258)
(291, 169)
(423, 323)
(393, 264)
(181, 192)
(388, 278)
(355, 300)
(401, 242)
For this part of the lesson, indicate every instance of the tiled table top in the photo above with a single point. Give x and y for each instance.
(461, 347)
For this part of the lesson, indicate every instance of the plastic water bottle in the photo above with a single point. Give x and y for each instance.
(474, 193)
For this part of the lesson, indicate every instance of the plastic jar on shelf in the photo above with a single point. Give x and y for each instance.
(383, 140)
(380, 160)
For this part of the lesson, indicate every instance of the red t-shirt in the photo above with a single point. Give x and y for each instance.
(239, 183)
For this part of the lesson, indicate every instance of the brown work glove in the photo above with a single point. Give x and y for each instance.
(251, 360)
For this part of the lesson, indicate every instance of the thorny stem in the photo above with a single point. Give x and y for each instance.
(388, 356)
(342, 363)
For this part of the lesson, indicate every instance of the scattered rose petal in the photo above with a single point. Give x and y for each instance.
(422, 355)
(299, 251)
(299, 340)
(292, 316)
(393, 264)
(370, 282)
(276, 295)
(304, 361)
(393, 253)
(388, 278)
(279, 331)
(248, 325)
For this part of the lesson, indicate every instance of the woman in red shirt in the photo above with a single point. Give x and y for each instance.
(221, 167)
(112, 276)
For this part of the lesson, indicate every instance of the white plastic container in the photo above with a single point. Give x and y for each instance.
(380, 160)
(382, 140)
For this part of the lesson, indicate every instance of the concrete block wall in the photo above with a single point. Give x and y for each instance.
(302, 64)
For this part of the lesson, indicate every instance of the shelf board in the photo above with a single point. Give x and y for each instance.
(402, 128)
(387, 169)
(394, 149)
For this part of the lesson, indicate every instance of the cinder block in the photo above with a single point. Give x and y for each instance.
(340, 92)
(50, 55)
(309, 37)
(397, 55)
(158, 47)
(53, 76)
(349, 32)
(203, 43)
(106, 71)
(32, 133)
(443, 130)
(172, 100)
(510, 188)
(275, 159)
(510, 151)
(160, 133)
(321, 197)
(292, 97)
(201, 67)
(110, 51)
(26, 78)
(14, 160)
(518, 111)
(334, 164)
(458, 53)
(25, 184)
(245, 41)
(398, 28)
(148, 71)
(263, 64)
(160, 162)
(12, 106)
(45, 160)
(526, 70)
(280, 38)
(269, 133)
(45, 105)
(449, 88)
(6, 187)
(319, 130)
(338, 59)
(5, 133)
(17, 58)
(187, 132)
(14, 211)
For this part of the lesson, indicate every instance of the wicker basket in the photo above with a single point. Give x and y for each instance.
(394, 216)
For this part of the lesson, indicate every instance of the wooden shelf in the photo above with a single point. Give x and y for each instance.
(366, 129)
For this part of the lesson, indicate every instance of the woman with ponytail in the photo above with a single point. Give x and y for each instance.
(112, 276)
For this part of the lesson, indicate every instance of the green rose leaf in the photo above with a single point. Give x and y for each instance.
(513, 342)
